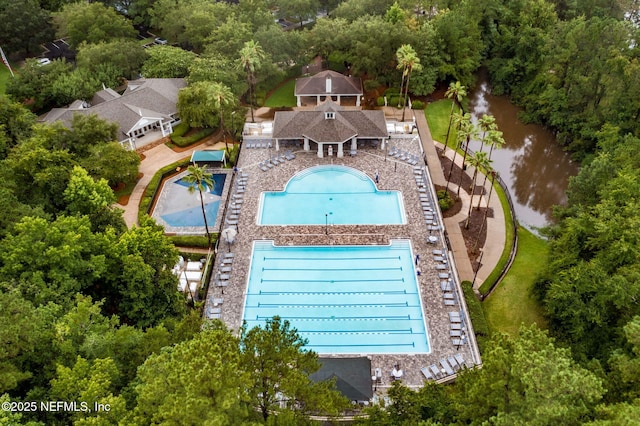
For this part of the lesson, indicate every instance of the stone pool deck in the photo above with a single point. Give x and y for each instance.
(393, 175)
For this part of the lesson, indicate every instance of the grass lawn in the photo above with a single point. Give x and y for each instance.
(437, 114)
(282, 96)
(512, 303)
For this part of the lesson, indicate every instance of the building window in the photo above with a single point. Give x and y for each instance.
(329, 115)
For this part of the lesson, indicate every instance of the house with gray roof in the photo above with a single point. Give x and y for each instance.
(146, 105)
(328, 85)
(330, 126)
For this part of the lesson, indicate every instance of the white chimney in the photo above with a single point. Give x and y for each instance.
(328, 81)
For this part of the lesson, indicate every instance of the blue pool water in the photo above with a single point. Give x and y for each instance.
(331, 194)
(343, 299)
(187, 210)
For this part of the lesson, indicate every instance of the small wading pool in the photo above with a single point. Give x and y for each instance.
(344, 299)
(334, 195)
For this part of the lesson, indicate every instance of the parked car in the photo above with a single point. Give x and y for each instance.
(160, 40)
(44, 61)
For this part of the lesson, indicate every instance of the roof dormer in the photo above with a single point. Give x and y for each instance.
(329, 115)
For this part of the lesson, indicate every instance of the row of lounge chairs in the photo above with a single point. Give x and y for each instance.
(222, 276)
(403, 155)
(276, 160)
(237, 199)
(214, 311)
(448, 367)
(258, 144)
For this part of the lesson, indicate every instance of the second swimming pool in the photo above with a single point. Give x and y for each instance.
(343, 299)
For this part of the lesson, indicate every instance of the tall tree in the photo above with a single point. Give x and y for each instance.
(298, 9)
(202, 104)
(527, 380)
(280, 368)
(205, 374)
(408, 61)
(167, 62)
(198, 178)
(480, 163)
(495, 139)
(91, 23)
(456, 92)
(251, 57)
(23, 26)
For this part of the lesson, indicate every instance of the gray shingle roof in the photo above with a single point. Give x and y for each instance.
(317, 84)
(353, 376)
(149, 98)
(315, 126)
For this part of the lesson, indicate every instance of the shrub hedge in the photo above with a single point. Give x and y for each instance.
(380, 101)
(191, 139)
(154, 184)
(417, 105)
(193, 240)
(476, 314)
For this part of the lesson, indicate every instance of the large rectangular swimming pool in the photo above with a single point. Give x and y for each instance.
(343, 299)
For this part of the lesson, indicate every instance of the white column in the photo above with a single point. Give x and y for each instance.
(277, 145)
(338, 99)
(358, 100)
(299, 103)
(354, 143)
(320, 150)
(382, 140)
(318, 100)
(340, 151)
(306, 144)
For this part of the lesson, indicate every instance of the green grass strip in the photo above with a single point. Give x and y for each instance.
(512, 303)
(283, 96)
(437, 114)
(493, 277)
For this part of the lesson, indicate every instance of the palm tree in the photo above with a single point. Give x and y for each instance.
(494, 137)
(408, 61)
(480, 161)
(491, 172)
(221, 96)
(458, 119)
(198, 178)
(470, 132)
(251, 57)
(456, 92)
(486, 123)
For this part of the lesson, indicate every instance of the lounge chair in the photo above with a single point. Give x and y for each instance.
(449, 296)
(229, 255)
(263, 167)
(442, 267)
(446, 285)
(454, 317)
(227, 261)
(221, 283)
(455, 326)
(427, 374)
(213, 316)
(232, 217)
(455, 333)
(435, 370)
(232, 222)
(460, 360)
(446, 366)
(449, 302)
(223, 277)
(443, 275)
(215, 310)
(439, 259)
(437, 252)
(217, 301)
(454, 363)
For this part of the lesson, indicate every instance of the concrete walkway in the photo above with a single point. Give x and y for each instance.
(156, 158)
(496, 234)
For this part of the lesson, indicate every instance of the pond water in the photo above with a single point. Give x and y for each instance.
(531, 163)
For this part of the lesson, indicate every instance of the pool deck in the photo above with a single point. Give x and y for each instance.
(393, 175)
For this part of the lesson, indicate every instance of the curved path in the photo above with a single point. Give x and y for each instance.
(496, 233)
